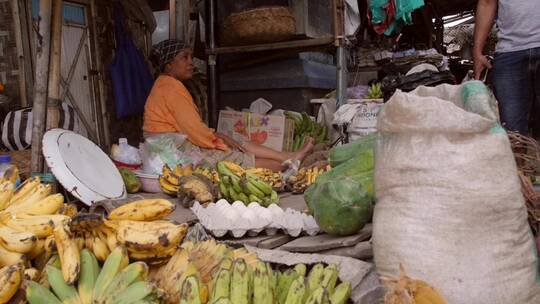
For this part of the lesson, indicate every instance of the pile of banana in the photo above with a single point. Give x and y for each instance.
(117, 282)
(188, 187)
(210, 273)
(274, 179)
(237, 184)
(306, 177)
(201, 260)
(138, 226)
(28, 217)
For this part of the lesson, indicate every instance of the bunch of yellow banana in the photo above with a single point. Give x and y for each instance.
(209, 173)
(238, 184)
(169, 181)
(188, 187)
(28, 217)
(117, 282)
(138, 226)
(274, 179)
(306, 177)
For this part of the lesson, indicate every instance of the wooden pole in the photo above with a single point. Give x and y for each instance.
(53, 102)
(20, 52)
(40, 84)
(172, 19)
(101, 106)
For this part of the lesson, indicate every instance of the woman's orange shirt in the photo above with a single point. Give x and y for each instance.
(170, 109)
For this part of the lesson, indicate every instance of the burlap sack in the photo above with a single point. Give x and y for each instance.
(449, 203)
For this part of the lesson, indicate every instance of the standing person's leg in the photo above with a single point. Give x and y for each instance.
(535, 83)
(512, 86)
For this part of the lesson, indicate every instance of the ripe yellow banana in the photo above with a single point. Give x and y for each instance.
(154, 235)
(40, 226)
(39, 249)
(6, 193)
(68, 253)
(8, 258)
(10, 280)
(35, 195)
(167, 187)
(100, 249)
(143, 210)
(49, 205)
(178, 170)
(110, 237)
(25, 188)
(17, 241)
(169, 175)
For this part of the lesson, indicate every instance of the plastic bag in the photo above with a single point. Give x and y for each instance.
(341, 200)
(125, 153)
(159, 150)
(343, 153)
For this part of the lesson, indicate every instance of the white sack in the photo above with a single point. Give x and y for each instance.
(450, 207)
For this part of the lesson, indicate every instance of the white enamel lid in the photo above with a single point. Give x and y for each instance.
(82, 167)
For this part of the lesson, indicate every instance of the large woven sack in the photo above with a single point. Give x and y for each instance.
(449, 203)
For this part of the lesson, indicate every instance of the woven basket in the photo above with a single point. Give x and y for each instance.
(260, 25)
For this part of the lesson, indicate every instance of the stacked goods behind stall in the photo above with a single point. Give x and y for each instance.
(341, 200)
(448, 194)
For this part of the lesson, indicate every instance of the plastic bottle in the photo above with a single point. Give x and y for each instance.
(5, 164)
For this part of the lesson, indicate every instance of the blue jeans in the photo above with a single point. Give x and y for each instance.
(516, 81)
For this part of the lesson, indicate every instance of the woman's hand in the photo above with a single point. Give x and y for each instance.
(230, 142)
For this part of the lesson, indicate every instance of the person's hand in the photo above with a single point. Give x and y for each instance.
(481, 63)
(230, 142)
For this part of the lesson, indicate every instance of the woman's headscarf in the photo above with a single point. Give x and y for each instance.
(165, 51)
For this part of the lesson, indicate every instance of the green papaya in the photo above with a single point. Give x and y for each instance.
(132, 182)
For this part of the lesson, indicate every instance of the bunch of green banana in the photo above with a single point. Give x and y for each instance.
(305, 127)
(28, 216)
(117, 282)
(317, 288)
(245, 187)
(375, 91)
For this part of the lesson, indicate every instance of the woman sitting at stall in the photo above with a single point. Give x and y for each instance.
(170, 108)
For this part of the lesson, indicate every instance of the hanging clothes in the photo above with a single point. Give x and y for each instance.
(389, 16)
(130, 76)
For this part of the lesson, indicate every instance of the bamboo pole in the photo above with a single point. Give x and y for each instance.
(40, 84)
(20, 52)
(53, 102)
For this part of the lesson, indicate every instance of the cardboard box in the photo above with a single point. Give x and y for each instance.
(272, 131)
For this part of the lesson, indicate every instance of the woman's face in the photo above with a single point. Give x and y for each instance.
(181, 67)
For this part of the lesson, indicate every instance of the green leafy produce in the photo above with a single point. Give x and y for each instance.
(341, 200)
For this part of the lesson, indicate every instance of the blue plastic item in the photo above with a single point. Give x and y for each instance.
(130, 76)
